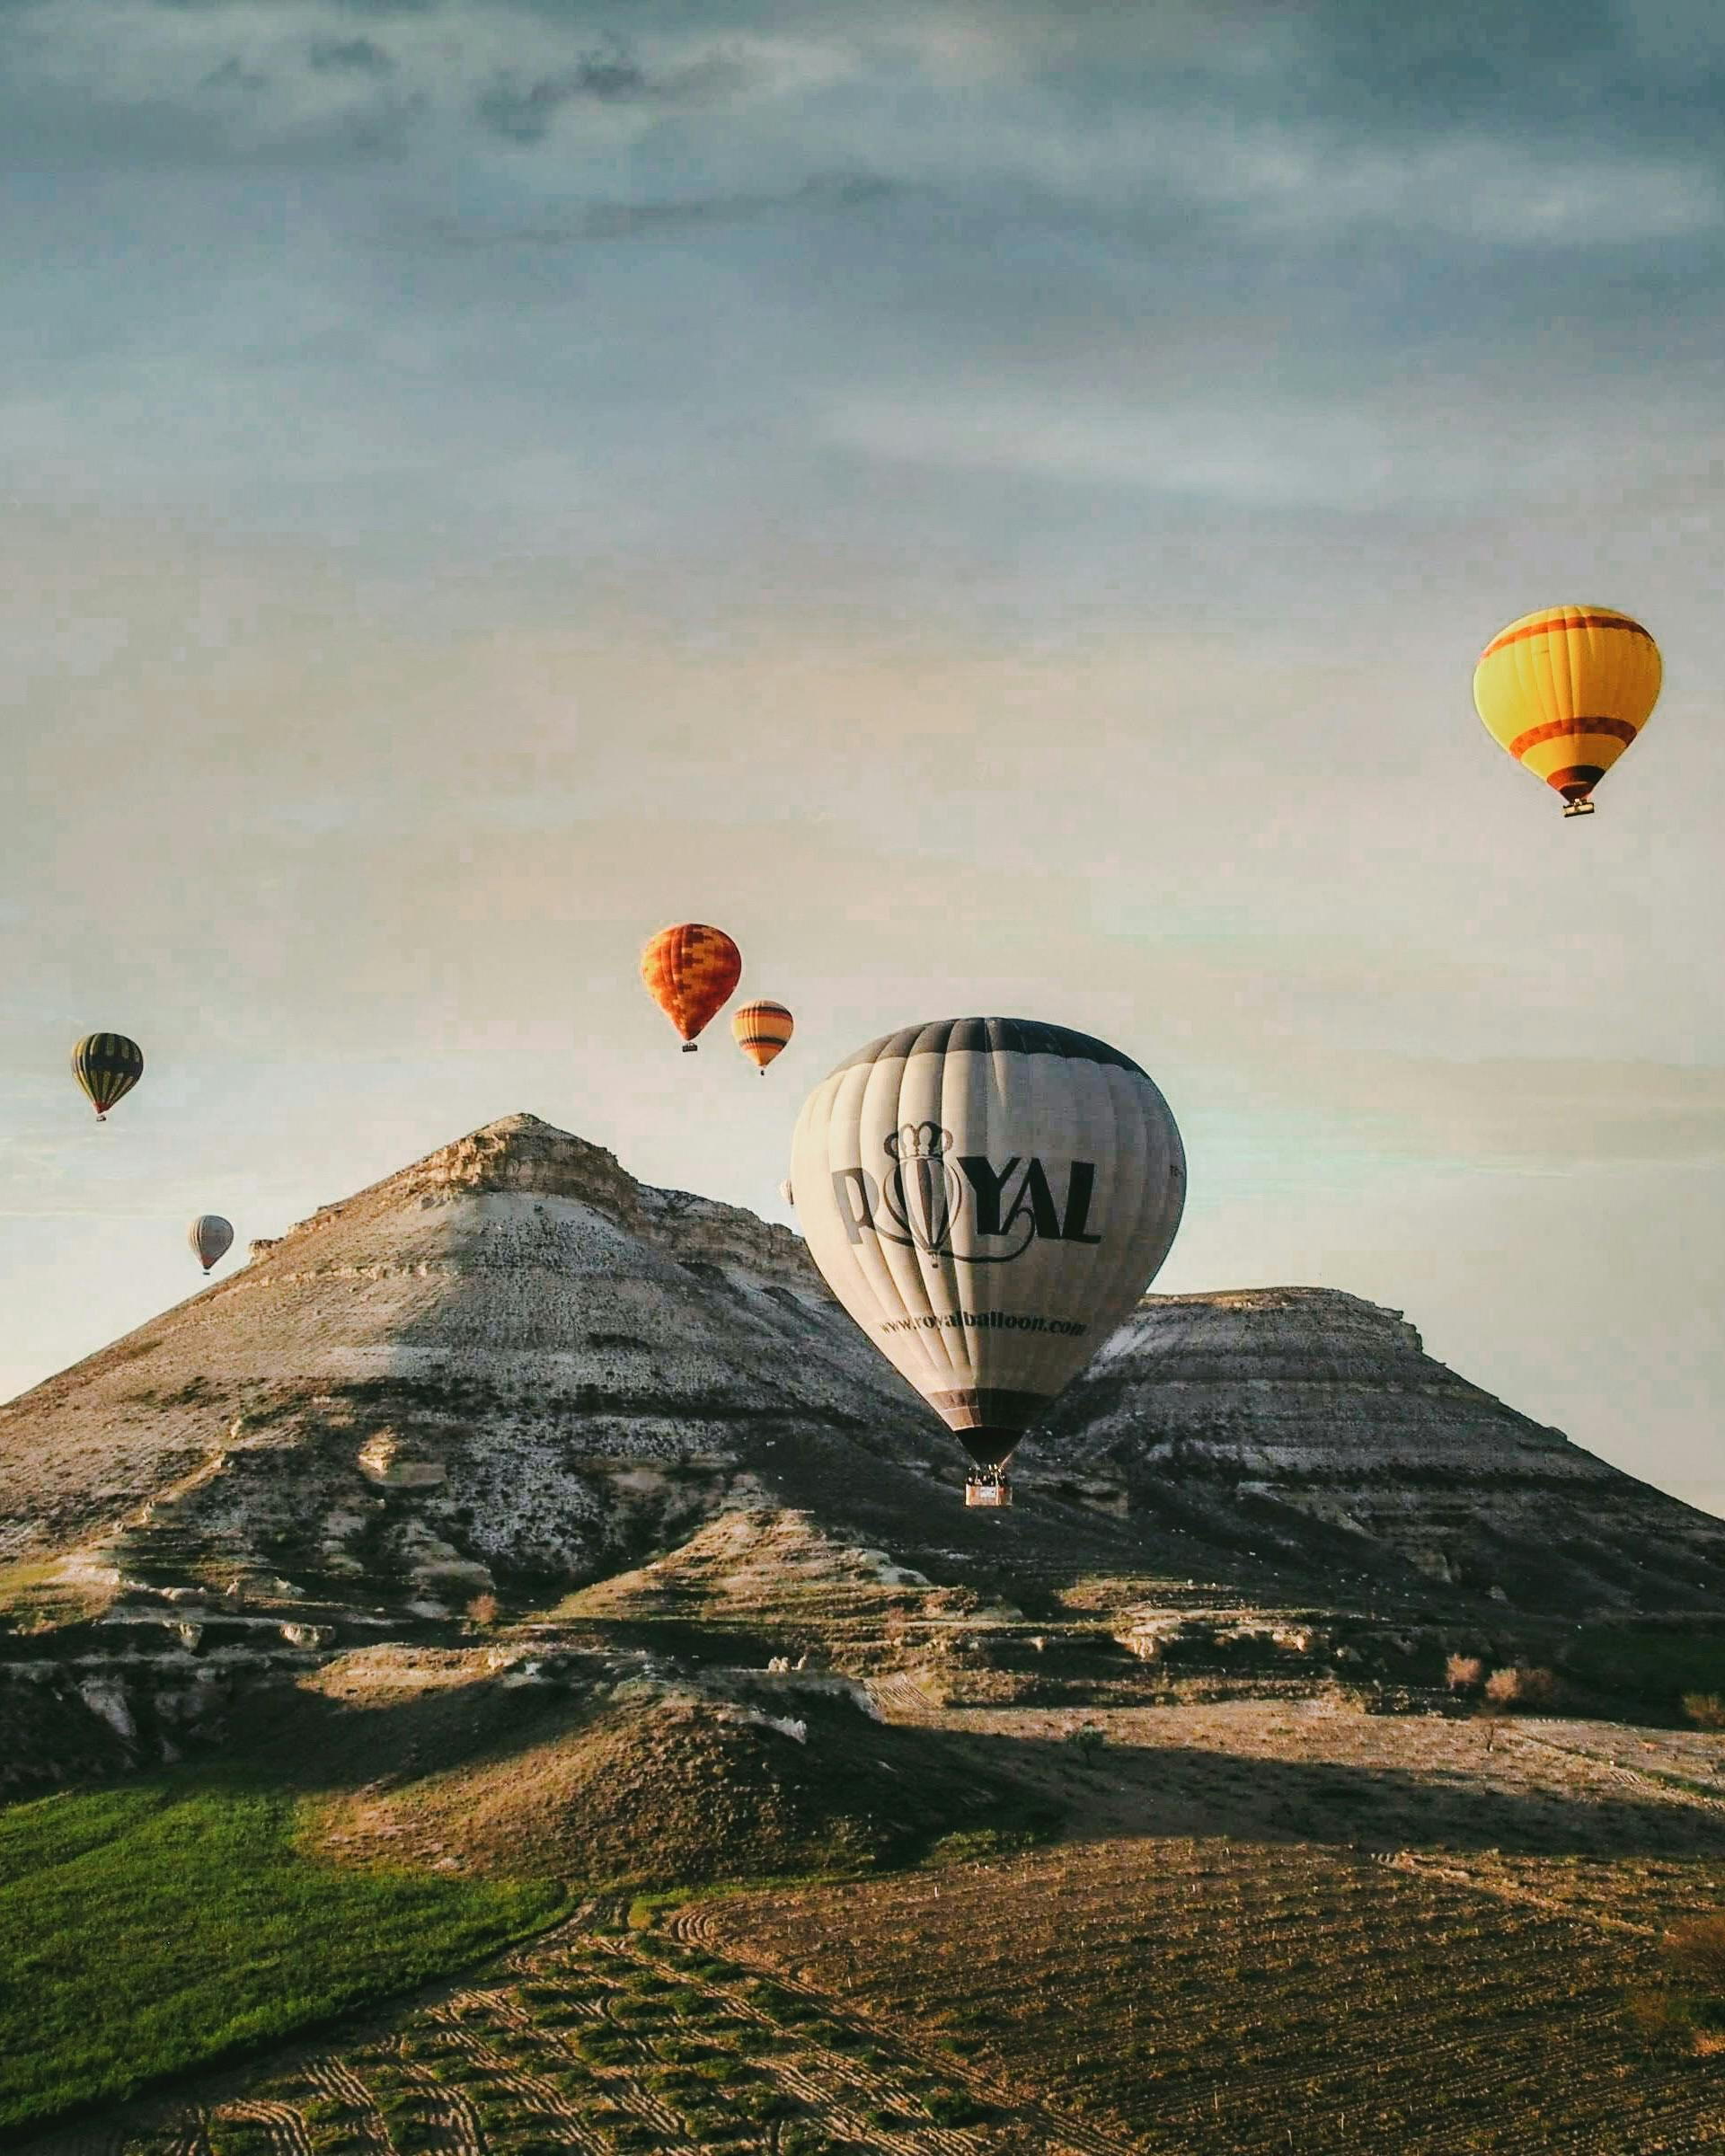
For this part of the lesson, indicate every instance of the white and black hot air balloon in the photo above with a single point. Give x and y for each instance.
(988, 1198)
(210, 1237)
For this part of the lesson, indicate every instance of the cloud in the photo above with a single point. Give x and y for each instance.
(822, 193)
(350, 55)
(232, 75)
(527, 113)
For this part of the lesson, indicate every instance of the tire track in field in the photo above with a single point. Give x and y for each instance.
(515, 2077)
(618, 2082)
(696, 1925)
(283, 2127)
(445, 2105)
(1411, 1862)
(856, 2082)
(1234, 2098)
(1654, 1782)
(861, 2083)
(1514, 2087)
(331, 2073)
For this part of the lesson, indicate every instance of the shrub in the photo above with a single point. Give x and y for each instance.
(952, 2107)
(800, 2139)
(1087, 1740)
(1520, 1687)
(484, 1610)
(1463, 1672)
(1705, 1709)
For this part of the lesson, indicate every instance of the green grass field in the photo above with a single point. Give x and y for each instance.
(151, 1928)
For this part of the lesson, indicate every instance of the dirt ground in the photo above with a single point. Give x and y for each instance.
(1307, 1927)
(1266, 1927)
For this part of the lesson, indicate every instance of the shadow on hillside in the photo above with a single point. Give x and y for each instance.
(314, 1743)
(1152, 1790)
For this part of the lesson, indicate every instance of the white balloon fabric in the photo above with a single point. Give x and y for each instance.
(988, 1198)
(210, 1237)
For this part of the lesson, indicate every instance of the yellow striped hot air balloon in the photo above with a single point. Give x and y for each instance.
(762, 1030)
(1566, 691)
(690, 971)
(107, 1065)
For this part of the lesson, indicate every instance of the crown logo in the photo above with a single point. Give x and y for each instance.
(919, 1142)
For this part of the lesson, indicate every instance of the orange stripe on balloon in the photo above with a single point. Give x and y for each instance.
(1560, 624)
(1619, 729)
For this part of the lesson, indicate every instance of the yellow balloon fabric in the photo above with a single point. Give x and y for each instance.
(762, 1029)
(1565, 691)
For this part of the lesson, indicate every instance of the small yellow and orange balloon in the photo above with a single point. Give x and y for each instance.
(107, 1065)
(762, 1029)
(690, 971)
(1566, 691)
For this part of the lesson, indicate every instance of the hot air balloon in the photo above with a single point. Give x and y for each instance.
(988, 1198)
(762, 1029)
(210, 1237)
(107, 1065)
(690, 971)
(1566, 691)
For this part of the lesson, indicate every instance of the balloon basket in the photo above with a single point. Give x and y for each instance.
(987, 1490)
(689, 1046)
(1578, 809)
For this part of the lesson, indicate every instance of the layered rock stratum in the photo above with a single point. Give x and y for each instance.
(509, 1354)
(1241, 1408)
(514, 1367)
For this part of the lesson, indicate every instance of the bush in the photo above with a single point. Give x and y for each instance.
(1705, 1709)
(484, 1610)
(1087, 1740)
(1463, 1672)
(1521, 1687)
(953, 2107)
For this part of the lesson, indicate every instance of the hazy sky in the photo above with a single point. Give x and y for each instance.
(996, 505)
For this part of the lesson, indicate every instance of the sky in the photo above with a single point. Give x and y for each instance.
(996, 506)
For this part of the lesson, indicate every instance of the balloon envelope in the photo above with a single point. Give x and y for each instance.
(762, 1029)
(210, 1237)
(690, 971)
(107, 1065)
(1566, 691)
(988, 1198)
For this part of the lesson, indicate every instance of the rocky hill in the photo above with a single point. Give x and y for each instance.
(510, 1378)
(1245, 1407)
(510, 1355)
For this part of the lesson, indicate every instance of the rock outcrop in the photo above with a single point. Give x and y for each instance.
(510, 1356)
(1260, 1411)
(511, 1369)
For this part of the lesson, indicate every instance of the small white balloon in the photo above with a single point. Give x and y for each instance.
(210, 1237)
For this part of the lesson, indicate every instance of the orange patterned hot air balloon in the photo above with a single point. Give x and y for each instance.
(762, 1030)
(1566, 691)
(690, 971)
